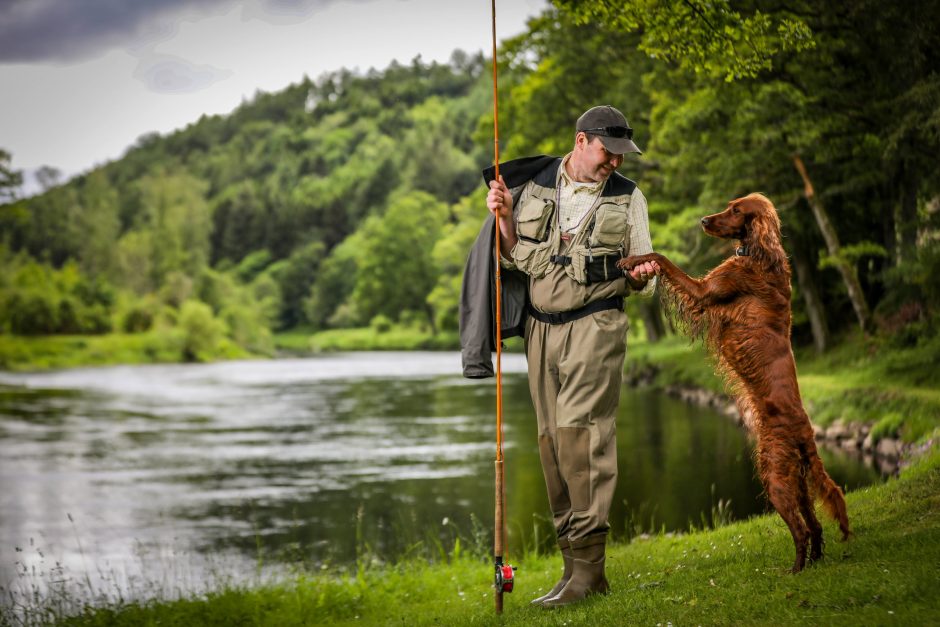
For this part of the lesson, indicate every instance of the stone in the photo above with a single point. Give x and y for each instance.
(889, 448)
(837, 431)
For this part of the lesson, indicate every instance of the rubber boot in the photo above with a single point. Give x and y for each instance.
(566, 556)
(587, 574)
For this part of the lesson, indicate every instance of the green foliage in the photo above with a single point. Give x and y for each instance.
(851, 254)
(10, 179)
(450, 255)
(717, 39)
(394, 268)
(203, 333)
(380, 323)
(36, 299)
(333, 284)
(294, 277)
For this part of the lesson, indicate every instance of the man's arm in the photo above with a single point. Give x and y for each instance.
(642, 278)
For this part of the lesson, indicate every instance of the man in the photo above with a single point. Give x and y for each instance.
(565, 222)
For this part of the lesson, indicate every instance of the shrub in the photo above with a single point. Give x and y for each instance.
(202, 332)
(381, 324)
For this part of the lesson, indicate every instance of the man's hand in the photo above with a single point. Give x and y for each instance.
(644, 272)
(499, 202)
(639, 269)
(498, 199)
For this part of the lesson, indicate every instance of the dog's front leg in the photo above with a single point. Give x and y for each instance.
(691, 290)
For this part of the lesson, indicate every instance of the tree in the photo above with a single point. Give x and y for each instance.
(99, 225)
(10, 179)
(395, 269)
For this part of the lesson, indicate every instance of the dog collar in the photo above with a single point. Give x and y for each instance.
(742, 251)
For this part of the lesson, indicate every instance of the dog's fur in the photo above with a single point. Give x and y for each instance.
(742, 309)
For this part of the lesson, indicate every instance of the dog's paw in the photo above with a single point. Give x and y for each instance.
(629, 263)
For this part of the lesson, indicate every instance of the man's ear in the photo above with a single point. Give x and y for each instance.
(580, 139)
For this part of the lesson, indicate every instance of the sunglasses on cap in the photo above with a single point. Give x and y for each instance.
(611, 131)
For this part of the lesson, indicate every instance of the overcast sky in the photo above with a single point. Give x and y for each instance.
(81, 80)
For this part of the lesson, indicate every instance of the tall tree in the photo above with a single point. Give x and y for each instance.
(10, 179)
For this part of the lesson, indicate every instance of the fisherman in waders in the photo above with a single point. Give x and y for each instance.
(565, 222)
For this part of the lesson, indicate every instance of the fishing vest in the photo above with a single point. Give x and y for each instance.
(568, 274)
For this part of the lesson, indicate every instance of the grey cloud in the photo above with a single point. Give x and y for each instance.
(167, 74)
(74, 30)
(283, 11)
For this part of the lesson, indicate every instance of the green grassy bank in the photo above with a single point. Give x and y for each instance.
(885, 382)
(735, 575)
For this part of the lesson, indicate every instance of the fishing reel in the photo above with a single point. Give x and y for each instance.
(504, 577)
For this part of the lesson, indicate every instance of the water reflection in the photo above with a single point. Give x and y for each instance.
(172, 473)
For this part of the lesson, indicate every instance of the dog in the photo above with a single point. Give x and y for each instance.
(742, 311)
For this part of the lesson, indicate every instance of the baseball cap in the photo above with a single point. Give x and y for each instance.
(611, 127)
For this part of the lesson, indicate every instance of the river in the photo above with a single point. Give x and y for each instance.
(142, 481)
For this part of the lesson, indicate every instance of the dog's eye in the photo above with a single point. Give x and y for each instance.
(735, 210)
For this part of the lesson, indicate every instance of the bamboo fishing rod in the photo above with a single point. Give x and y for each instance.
(504, 572)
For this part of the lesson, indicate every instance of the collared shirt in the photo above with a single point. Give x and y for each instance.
(575, 199)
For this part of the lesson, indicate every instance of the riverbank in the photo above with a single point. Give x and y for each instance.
(736, 574)
(868, 396)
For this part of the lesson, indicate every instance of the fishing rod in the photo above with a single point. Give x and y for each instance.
(504, 572)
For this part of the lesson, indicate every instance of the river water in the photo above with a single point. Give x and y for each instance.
(170, 479)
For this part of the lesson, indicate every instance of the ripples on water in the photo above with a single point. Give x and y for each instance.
(181, 476)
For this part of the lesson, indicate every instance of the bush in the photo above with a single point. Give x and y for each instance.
(138, 318)
(381, 324)
(203, 333)
(31, 312)
(248, 328)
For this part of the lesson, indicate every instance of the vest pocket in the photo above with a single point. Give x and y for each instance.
(533, 221)
(610, 225)
(533, 259)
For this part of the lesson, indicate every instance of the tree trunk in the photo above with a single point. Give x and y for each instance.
(906, 219)
(848, 271)
(814, 307)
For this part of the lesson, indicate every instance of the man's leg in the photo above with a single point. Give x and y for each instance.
(541, 355)
(543, 387)
(590, 375)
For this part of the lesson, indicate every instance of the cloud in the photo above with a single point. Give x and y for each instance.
(70, 31)
(167, 74)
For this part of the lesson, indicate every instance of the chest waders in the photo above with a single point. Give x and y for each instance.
(504, 578)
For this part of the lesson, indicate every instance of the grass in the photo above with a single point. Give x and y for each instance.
(371, 338)
(888, 573)
(72, 351)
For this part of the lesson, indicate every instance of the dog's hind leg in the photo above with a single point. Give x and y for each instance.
(781, 478)
(809, 516)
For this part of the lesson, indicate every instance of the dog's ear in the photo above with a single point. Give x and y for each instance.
(763, 234)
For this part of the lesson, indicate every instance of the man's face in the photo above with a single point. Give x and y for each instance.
(595, 163)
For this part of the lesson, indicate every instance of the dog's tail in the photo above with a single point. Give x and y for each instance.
(827, 490)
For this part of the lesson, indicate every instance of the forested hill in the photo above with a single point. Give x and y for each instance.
(267, 215)
(352, 200)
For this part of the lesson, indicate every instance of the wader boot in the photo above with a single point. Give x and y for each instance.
(587, 575)
(566, 555)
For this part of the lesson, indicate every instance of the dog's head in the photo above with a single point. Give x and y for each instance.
(743, 218)
(752, 219)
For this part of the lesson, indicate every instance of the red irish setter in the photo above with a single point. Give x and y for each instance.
(742, 309)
